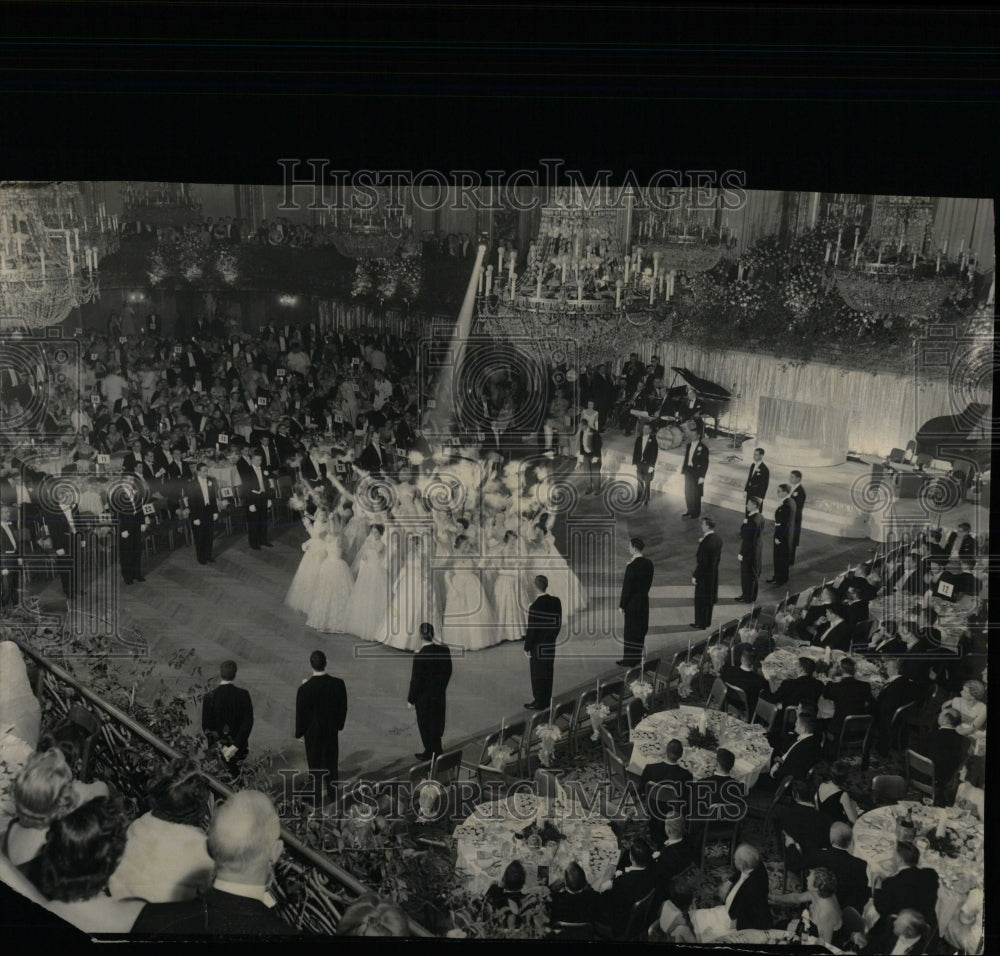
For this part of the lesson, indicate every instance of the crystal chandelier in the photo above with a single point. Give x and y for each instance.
(366, 230)
(684, 237)
(49, 252)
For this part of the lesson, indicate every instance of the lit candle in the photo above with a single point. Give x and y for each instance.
(552, 711)
(489, 279)
(939, 832)
(538, 289)
(689, 650)
(656, 264)
(961, 246)
(914, 266)
(937, 267)
(857, 233)
(597, 687)
(944, 248)
(618, 293)
(827, 258)
(836, 255)
(652, 291)
(481, 271)
(500, 259)
(827, 654)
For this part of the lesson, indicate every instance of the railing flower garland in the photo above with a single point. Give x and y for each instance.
(597, 713)
(641, 690)
(687, 670)
(548, 734)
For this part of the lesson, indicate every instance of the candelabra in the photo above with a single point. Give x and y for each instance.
(49, 252)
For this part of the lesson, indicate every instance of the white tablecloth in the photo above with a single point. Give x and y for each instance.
(748, 743)
(783, 663)
(485, 843)
(225, 475)
(952, 618)
(875, 840)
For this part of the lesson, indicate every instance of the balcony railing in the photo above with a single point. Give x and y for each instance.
(310, 889)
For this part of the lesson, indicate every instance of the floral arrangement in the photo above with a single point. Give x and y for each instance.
(943, 845)
(641, 690)
(500, 755)
(597, 713)
(399, 278)
(548, 734)
(687, 670)
(704, 741)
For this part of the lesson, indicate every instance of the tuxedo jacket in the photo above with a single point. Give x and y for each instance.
(674, 775)
(807, 826)
(635, 588)
(625, 892)
(544, 622)
(200, 507)
(912, 887)
(799, 497)
(706, 569)
(320, 708)
(749, 907)
(59, 530)
(850, 696)
(851, 872)
(252, 491)
(215, 914)
(794, 690)
(647, 458)
(749, 681)
(595, 447)
(751, 544)
(838, 639)
(311, 472)
(897, 693)
(947, 750)
(756, 484)
(582, 907)
(373, 461)
(784, 521)
(801, 757)
(430, 675)
(967, 549)
(699, 460)
(227, 711)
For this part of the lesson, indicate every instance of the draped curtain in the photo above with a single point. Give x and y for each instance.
(885, 410)
(759, 216)
(970, 220)
(826, 427)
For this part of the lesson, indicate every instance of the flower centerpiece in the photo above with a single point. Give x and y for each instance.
(703, 739)
(598, 713)
(641, 690)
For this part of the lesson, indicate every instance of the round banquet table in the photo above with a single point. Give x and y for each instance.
(225, 474)
(952, 618)
(875, 841)
(770, 937)
(485, 843)
(783, 663)
(748, 742)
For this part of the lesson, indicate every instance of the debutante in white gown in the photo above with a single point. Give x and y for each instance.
(334, 587)
(412, 603)
(511, 615)
(571, 591)
(302, 590)
(366, 610)
(468, 615)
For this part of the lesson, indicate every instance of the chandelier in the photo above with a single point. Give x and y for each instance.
(363, 229)
(895, 279)
(683, 235)
(49, 252)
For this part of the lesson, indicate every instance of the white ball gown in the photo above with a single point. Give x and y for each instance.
(366, 611)
(413, 602)
(511, 614)
(302, 590)
(333, 590)
(468, 616)
(563, 581)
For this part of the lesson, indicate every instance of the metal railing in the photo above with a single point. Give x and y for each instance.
(305, 878)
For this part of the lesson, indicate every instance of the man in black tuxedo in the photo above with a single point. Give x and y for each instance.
(947, 749)
(898, 692)
(203, 503)
(746, 678)
(665, 786)
(320, 714)
(255, 494)
(851, 871)
(132, 525)
(644, 455)
(803, 688)
(634, 603)
(799, 500)
(801, 756)
(313, 469)
(851, 697)
(706, 575)
(590, 452)
(428, 684)
(784, 530)
(960, 543)
(835, 634)
(576, 902)
(544, 622)
(10, 558)
(911, 887)
(751, 554)
(628, 887)
(719, 789)
(674, 855)
(178, 475)
(244, 841)
(694, 469)
(749, 908)
(758, 479)
(632, 373)
(67, 541)
(374, 458)
(227, 717)
(804, 827)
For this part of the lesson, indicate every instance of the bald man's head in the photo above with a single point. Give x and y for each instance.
(243, 835)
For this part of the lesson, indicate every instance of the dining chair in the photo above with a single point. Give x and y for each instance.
(635, 712)
(764, 714)
(639, 916)
(920, 774)
(613, 696)
(618, 773)
(717, 696)
(888, 788)
(621, 749)
(855, 731)
(899, 727)
(580, 727)
(736, 702)
(719, 831)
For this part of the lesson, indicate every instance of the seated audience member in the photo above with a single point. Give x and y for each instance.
(793, 690)
(511, 886)
(911, 886)
(823, 917)
(664, 784)
(805, 751)
(81, 852)
(166, 854)
(719, 788)
(44, 791)
(370, 917)
(966, 925)
(628, 887)
(850, 696)
(836, 634)
(971, 707)
(855, 607)
(244, 842)
(746, 678)
(904, 937)
(886, 640)
(674, 925)
(897, 692)
(915, 661)
(576, 902)
(744, 896)
(813, 619)
(971, 792)
(803, 827)
(851, 871)
(947, 750)
(832, 797)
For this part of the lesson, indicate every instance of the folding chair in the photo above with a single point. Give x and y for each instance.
(618, 773)
(719, 831)
(580, 726)
(736, 702)
(764, 713)
(639, 917)
(613, 696)
(446, 768)
(562, 714)
(511, 771)
(854, 731)
(899, 726)
(717, 696)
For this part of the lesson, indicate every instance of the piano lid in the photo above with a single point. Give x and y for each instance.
(703, 386)
(957, 438)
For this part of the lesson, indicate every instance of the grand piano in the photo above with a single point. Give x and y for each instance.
(714, 399)
(963, 440)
